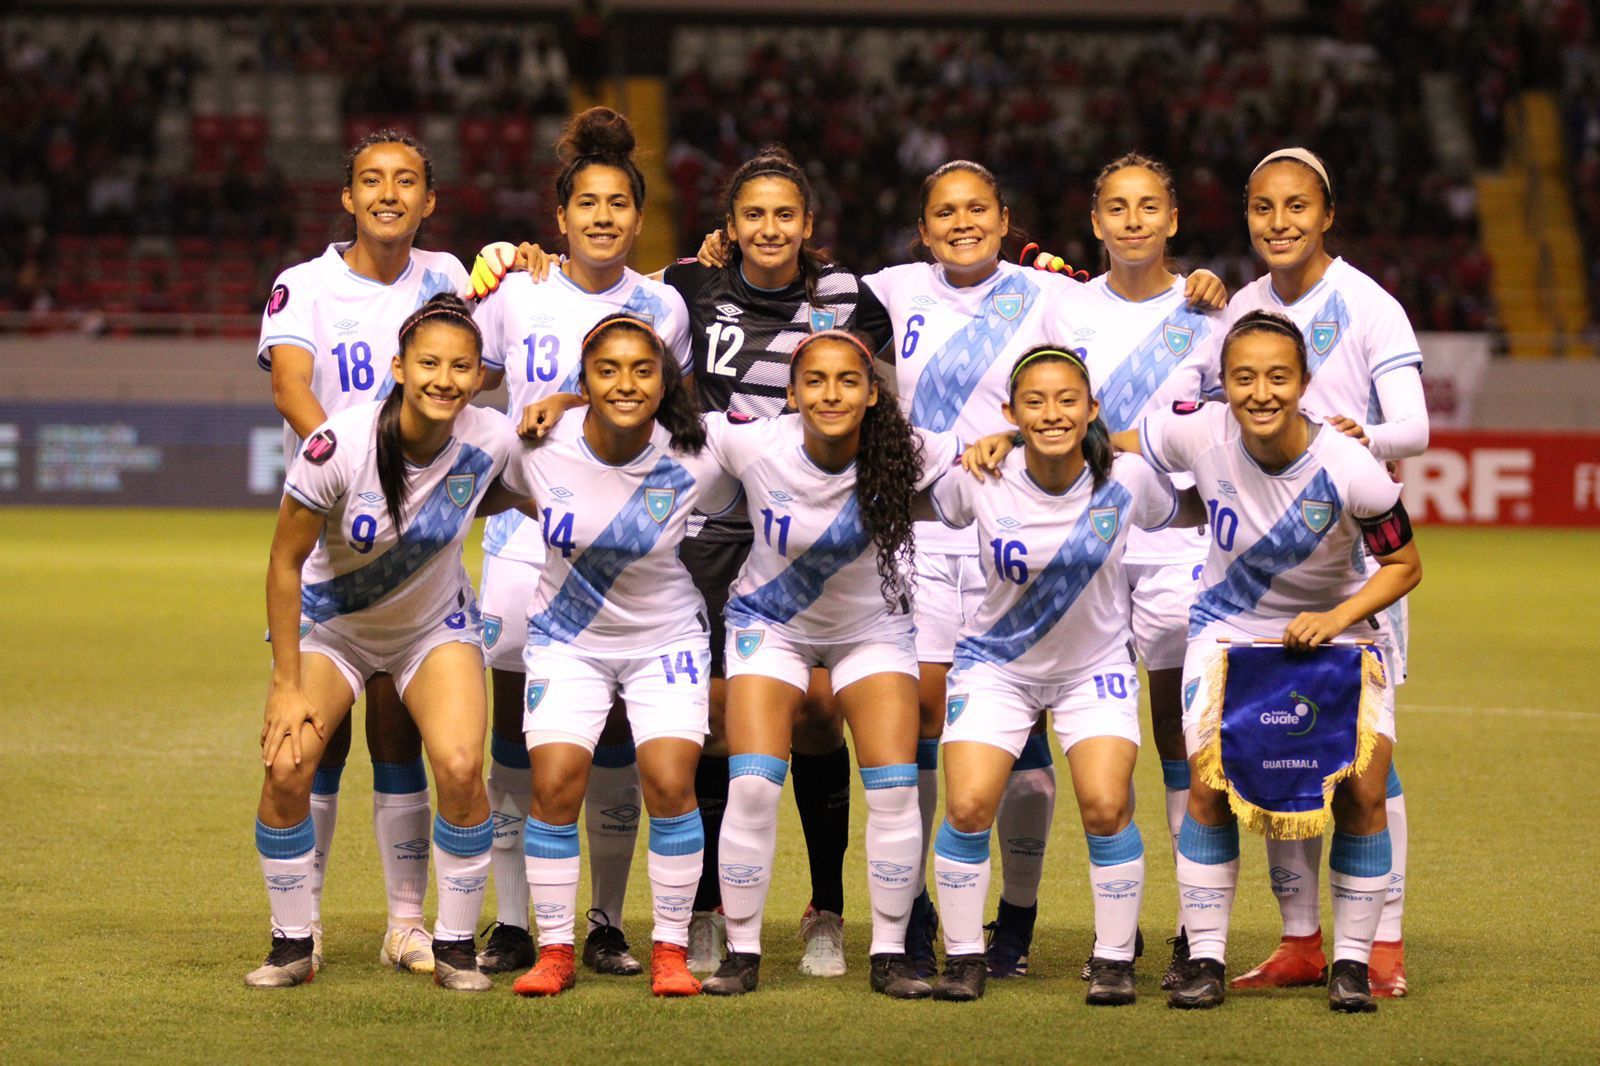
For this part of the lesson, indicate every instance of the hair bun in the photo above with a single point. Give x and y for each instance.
(774, 152)
(599, 131)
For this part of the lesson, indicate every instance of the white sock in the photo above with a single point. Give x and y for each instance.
(1394, 907)
(894, 850)
(551, 865)
(611, 826)
(400, 820)
(287, 858)
(1296, 870)
(749, 840)
(961, 871)
(510, 791)
(1208, 875)
(1358, 873)
(324, 814)
(461, 876)
(1026, 810)
(1116, 876)
(1175, 778)
(927, 801)
(677, 848)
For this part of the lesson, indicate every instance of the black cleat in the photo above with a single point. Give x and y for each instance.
(963, 979)
(455, 966)
(508, 948)
(893, 976)
(739, 973)
(1203, 987)
(605, 949)
(1110, 983)
(1010, 938)
(1138, 952)
(920, 931)
(1348, 989)
(288, 964)
(1178, 968)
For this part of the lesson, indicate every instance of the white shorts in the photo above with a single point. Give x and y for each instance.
(984, 705)
(1162, 594)
(339, 639)
(1205, 654)
(508, 586)
(569, 695)
(948, 592)
(766, 652)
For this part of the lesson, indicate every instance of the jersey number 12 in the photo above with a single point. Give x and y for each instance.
(719, 334)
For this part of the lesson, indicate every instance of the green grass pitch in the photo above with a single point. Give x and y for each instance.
(132, 674)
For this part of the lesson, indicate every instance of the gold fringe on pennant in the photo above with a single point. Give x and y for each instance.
(1286, 825)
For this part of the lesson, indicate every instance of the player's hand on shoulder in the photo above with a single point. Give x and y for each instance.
(1350, 428)
(1204, 291)
(541, 416)
(985, 455)
(714, 250)
(493, 262)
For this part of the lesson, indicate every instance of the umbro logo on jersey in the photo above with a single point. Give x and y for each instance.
(1317, 513)
(1104, 522)
(953, 708)
(560, 493)
(659, 503)
(1226, 488)
(536, 690)
(1007, 522)
(543, 320)
(345, 325)
(1324, 335)
(779, 496)
(1083, 334)
(924, 301)
(460, 488)
(371, 498)
(491, 630)
(729, 310)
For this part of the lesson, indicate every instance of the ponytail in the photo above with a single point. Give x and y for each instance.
(1097, 453)
(391, 457)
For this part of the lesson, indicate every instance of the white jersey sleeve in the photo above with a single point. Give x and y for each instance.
(954, 498)
(289, 314)
(1171, 440)
(1404, 408)
(1153, 501)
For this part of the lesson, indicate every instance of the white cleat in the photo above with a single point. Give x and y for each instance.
(823, 932)
(408, 948)
(708, 933)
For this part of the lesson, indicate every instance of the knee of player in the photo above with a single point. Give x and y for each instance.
(1359, 806)
(287, 782)
(1206, 804)
(458, 771)
(1105, 815)
(969, 812)
(555, 800)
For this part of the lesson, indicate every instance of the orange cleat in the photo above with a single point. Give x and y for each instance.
(552, 975)
(669, 971)
(1387, 969)
(1298, 961)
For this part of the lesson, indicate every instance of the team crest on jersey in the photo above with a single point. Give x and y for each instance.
(306, 627)
(1104, 522)
(659, 503)
(953, 708)
(1189, 691)
(278, 300)
(1178, 339)
(1008, 305)
(491, 630)
(1317, 513)
(460, 488)
(1324, 335)
(746, 641)
(320, 446)
(822, 318)
(537, 687)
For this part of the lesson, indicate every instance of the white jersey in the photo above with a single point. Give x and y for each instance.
(534, 332)
(1056, 599)
(349, 323)
(1355, 333)
(1281, 543)
(365, 572)
(612, 586)
(1134, 350)
(812, 574)
(954, 347)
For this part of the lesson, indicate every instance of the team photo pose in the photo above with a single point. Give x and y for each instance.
(1291, 501)
(365, 577)
(616, 614)
(1051, 634)
(326, 337)
(829, 489)
(532, 337)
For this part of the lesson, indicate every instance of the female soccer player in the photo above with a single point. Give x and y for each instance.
(365, 576)
(1291, 501)
(532, 335)
(1366, 382)
(326, 336)
(1051, 633)
(828, 483)
(615, 612)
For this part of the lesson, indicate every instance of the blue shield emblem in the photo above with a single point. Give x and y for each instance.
(953, 708)
(491, 630)
(746, 641)
(1104, 522)
(537, 687)
(305, 627)
(822, 318)
(460, 488)
(1189, 691)
(1324, 335)
(1178, 339)
(1317, 513)
(659, 503)
(1008, 305)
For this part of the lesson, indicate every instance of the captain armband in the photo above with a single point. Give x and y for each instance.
(1387, 533)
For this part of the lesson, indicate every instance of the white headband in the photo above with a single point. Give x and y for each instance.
(1299, 155)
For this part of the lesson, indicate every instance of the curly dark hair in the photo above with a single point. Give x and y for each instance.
(679, 412)
(888, 467)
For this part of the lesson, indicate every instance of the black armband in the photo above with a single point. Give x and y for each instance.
(1388, 532)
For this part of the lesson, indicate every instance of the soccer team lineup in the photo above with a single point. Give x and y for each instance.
(750, 502)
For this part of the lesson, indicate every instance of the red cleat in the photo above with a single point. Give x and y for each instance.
(1297, 962)
(1386, 972)
(552, 975)
(669, 971)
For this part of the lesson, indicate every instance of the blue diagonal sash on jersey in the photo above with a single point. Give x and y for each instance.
(628, 537)
(1052, 593)
(1124, 392)
(953, 372)
(1289, 542)
(500, 528)
(1335, 313)
(800, 584)
(435, 526)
